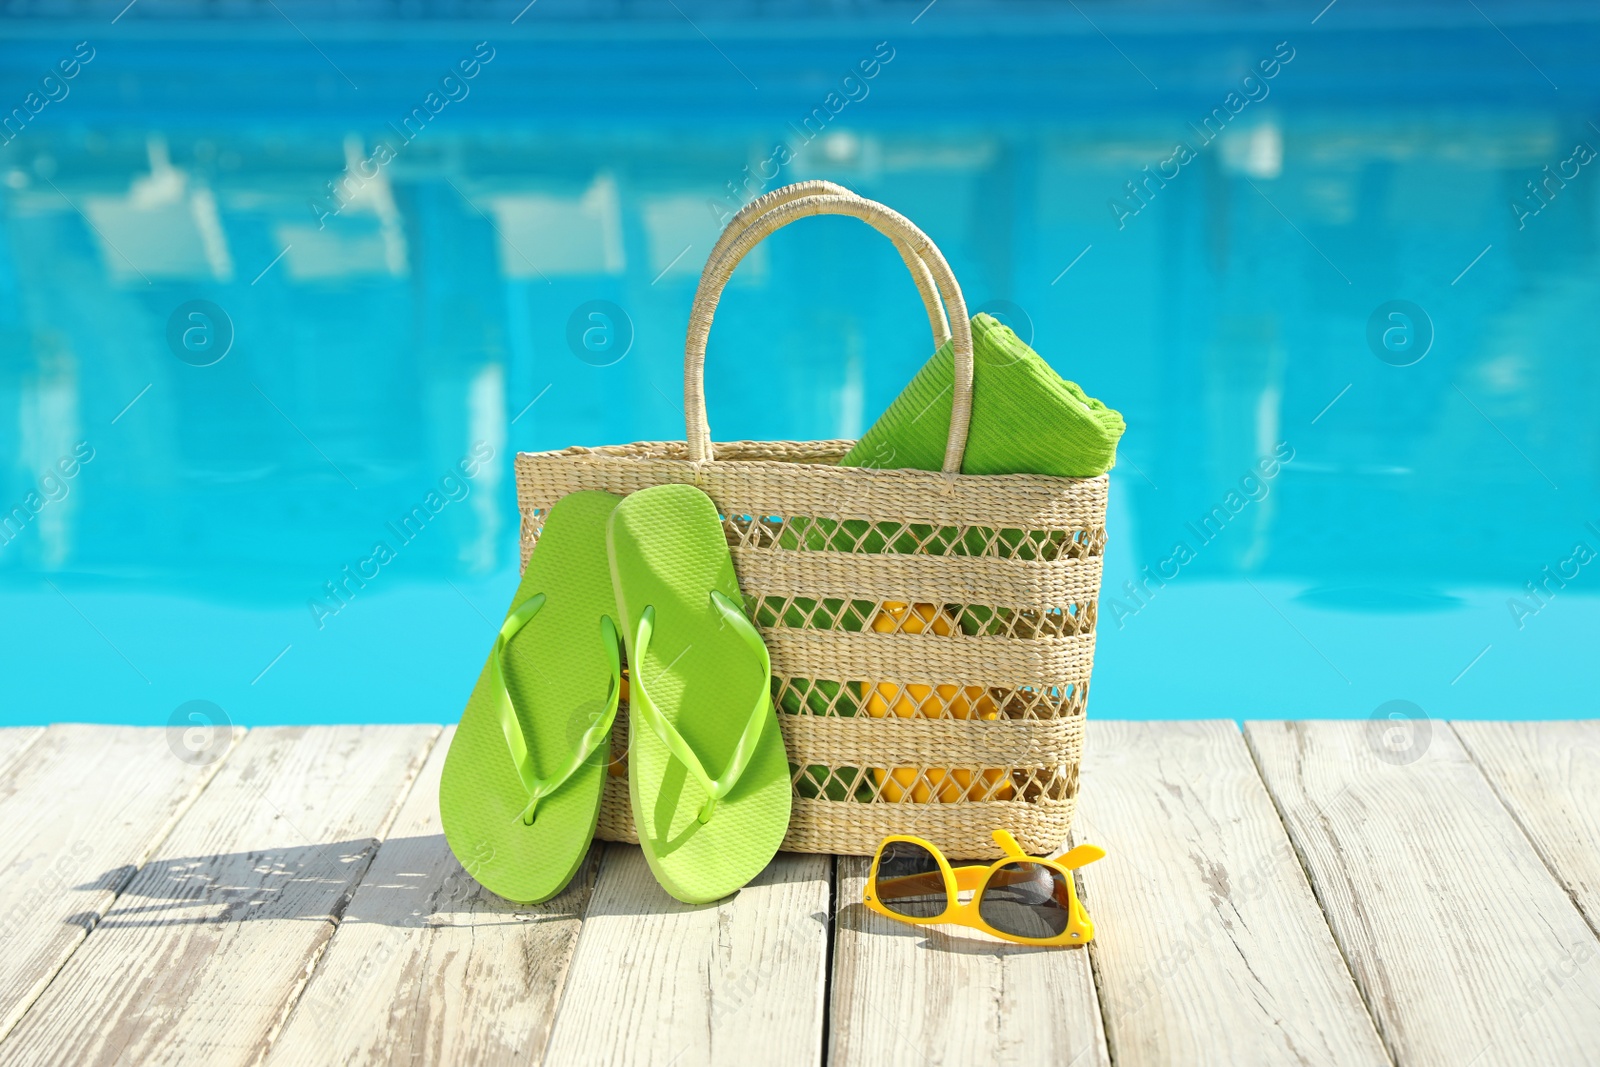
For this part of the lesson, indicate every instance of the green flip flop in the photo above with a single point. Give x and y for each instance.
(700, 699)
(520, 791)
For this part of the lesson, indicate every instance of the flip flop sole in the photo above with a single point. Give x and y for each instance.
(558, 674)
(668, 552)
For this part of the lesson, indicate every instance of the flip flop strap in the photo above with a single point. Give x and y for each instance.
(639, 697)
(597, 733)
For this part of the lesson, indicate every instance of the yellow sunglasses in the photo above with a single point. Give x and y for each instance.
(1021, 898)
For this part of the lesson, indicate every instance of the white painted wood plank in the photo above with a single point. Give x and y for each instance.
(13, 740)
(81, 808)
(1548, 775)
(1210, 947)
(427, 966)
(1465, 949)
(735, 983)
(924, 995)
(206, 948)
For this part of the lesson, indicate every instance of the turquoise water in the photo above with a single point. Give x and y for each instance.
(224, 388)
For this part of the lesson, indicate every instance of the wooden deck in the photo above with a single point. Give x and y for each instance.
(1289, 894)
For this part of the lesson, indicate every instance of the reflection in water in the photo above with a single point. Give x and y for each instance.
(168, 224)
(364, 236)
(376, 346)
(51, 453)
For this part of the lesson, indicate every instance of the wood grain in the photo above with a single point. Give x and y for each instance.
(1436, 876)
(427, 966)
(13, 741)
(1210, 947)
(1548, 775)
(1464, 947)
(81, 808)
(204, 951)
(735, 983)
(909, 995)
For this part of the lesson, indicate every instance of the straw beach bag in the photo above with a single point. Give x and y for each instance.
(931, 633)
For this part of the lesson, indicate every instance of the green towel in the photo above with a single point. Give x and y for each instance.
(1026, 419)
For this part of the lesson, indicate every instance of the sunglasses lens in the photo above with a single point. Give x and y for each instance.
(909, 881)
(1026, 900)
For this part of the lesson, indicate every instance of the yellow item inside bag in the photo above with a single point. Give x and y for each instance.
(928, 701)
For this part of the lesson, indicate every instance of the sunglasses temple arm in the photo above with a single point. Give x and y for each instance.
(1082, 856)
(968, 879)
(911, 885)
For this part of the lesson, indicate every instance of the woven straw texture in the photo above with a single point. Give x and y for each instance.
(931, 633)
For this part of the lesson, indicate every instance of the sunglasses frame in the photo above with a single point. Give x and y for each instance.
(975, 879)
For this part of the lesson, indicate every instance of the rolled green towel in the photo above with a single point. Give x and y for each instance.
(1026, 418)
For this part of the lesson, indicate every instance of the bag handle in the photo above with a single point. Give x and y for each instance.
(775, 211)
(759, 206)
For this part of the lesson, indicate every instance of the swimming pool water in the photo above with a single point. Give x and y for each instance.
(227, 386)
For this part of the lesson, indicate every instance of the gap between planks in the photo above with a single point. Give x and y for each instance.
(125, 789)
(1543, 778)
(1211, 947)
(655, 981)
(1547, 776)
(206, 947)
(434, 746)
(1465, 948)
(428, 967)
